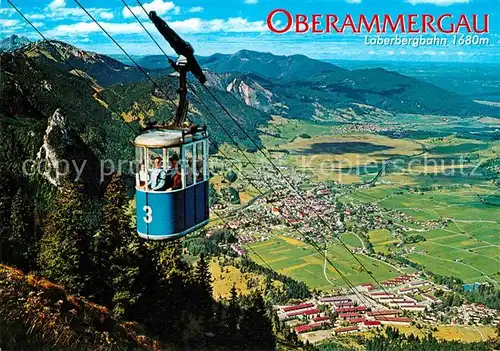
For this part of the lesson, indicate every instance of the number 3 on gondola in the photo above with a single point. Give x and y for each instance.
(149, 214)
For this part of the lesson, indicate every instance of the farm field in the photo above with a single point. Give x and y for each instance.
(381, 239)
(444, 201)
(463, 333)
(467, 247)
(300, 261)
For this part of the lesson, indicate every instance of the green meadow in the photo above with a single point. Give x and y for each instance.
(300, 261)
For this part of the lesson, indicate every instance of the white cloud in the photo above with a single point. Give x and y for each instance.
(188, 26)
(353, 1)
(251, 2)
(82, 28)
(161, 7)
(176, 10)
(8, 22)
(73, 13)
(36, 16)
(38, 24)
(106, 15)
(7, 11)
(239, 24)
(57, 4)
(438, 2)
(196, 9)
(192, 25)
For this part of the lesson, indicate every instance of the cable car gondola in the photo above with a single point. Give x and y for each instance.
(172, 181)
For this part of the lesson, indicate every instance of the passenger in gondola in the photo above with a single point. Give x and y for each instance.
(199, 171)
(158, 176)
(175, 176)
(142, 177)
(189, 173)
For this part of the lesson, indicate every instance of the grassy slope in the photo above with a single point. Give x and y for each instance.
(225, 276)
(36, 314)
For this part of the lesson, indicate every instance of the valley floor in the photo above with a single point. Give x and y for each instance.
(414, 184)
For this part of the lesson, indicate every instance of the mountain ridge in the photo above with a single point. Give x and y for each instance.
(104, 69)
(248, 61)
(13, 42)
(300, 87)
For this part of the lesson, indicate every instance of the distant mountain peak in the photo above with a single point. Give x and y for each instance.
(267, 65)
(67, 50)
(13, 42)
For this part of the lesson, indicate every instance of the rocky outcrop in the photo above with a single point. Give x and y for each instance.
(64, 156)
(51, 153)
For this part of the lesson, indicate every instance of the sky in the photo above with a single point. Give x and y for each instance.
(226, 26)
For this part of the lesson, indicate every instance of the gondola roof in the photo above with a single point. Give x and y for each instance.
(162, 138)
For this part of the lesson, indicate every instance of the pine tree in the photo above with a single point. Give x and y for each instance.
(5, 214)
(65, 247)
(120, 255)
(23, 240)
(203, 282)
(203, 276)
(256, 327)
(169, 297)
(233, 313)
(233, 297)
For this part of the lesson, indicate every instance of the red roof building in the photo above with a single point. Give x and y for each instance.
(351, 309)
(371, 323)
(356, 320)
(393, 320)
(381, 294)
(302, 328)
(349, 315)
(368, 286)
(430, 297)
(298, 307)
(345, 330)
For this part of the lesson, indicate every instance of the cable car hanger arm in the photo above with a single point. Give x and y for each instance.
(186, 62)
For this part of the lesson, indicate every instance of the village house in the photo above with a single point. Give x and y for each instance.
(322, 319)
(367, 324)
(393, 320)
(335, 299)
(419, 283)
(366, 287)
